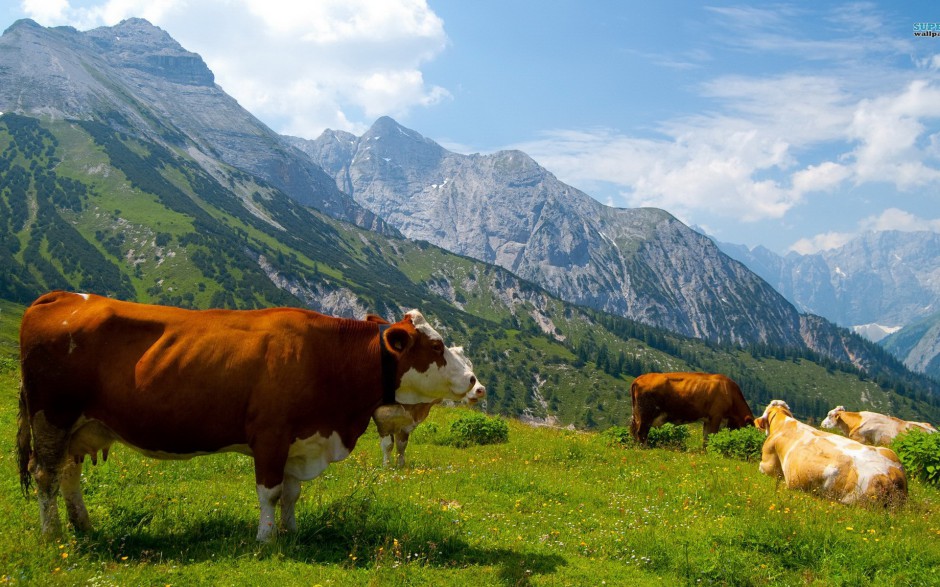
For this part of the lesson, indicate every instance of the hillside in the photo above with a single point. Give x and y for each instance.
(84, 207)
(549, 507)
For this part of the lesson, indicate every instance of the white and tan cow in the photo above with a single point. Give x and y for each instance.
(292, 388)
(871, 427)
(828, 464)
(395, 423)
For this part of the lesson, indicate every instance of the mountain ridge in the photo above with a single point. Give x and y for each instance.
(504, 208)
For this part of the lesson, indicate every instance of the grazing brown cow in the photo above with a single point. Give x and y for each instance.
(681, 398)
(292, 388)
(395, 423)
(828, 464)
(871, 427)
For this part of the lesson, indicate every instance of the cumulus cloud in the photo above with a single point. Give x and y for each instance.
(889, 219)
(821, 242)
(300, 66)
(895, 219)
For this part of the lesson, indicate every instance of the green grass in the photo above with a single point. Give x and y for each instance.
(549, 507)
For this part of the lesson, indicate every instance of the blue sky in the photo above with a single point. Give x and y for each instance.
(794, 125)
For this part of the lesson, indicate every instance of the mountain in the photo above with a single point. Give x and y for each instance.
(127, 205)
(505, 209)
(884, 285)
(918, 345)
(885, 279)
(84, 206)
(139, 80)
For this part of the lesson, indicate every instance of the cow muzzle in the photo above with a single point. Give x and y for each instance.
(476, 392)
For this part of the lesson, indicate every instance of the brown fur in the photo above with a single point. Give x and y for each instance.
(175, 383)
(681, 398)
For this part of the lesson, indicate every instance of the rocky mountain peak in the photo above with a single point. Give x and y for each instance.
(138, 44)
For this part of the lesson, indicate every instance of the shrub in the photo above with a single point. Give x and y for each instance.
(476, 428)
(920, 453)
(744, 443)
(668, 436)
(617, 436)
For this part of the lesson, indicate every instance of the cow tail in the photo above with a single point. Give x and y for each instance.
(24, 443)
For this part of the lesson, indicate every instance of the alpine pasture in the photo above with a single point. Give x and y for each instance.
(548, 507)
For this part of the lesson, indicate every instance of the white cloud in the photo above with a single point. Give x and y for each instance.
(821, 242)
(895, 219)
(820, 178)
(889, 219)
(301, 66)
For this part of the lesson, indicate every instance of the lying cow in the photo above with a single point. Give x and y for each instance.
(828, 464)
(681, 398)
(871, 427)
(292, 388)
(395, 423)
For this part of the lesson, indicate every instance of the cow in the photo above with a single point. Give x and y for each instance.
(292, 388)
(395, 423)
(681, 398)
(871, 427)
(827, 464)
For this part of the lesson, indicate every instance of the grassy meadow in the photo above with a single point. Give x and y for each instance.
(549, 507)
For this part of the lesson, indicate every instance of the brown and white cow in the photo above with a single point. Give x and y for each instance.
(681, 398)
(395, 423)
(828, 464)
(871, 427)
(292, 388)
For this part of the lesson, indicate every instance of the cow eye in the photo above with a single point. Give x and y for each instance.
(437, 346)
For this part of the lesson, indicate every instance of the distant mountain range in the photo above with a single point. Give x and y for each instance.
(125, 170)
(878, 284)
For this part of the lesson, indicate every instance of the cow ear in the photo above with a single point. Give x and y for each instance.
(376, 318)
(398, 338)
(761, 423)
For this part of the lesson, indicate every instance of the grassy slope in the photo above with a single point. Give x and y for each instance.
(551, 507)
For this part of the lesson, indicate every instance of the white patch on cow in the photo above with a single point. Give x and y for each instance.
(423, 326)
(84, 296)
(455, 377)
(869, 463)
(267, 499)
(308, 457)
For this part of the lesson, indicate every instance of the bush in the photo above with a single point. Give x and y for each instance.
(920, 453)
(668, 436)
(617, 436)
(744, 443)
(476, 428)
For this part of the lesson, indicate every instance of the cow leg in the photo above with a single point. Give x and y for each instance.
(290, 492)
(709, 426)
(71, 485)
(401, 443)
(267, 499)
(643, 432)
(387, 443)
(50, 444)
(270, 459)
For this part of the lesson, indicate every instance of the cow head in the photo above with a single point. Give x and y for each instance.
(428, 370)
(775, 408)
(832, 418)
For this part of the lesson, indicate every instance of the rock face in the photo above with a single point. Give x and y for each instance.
(505, 209)
(888, 278)
(136, 77)
(918, 345)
